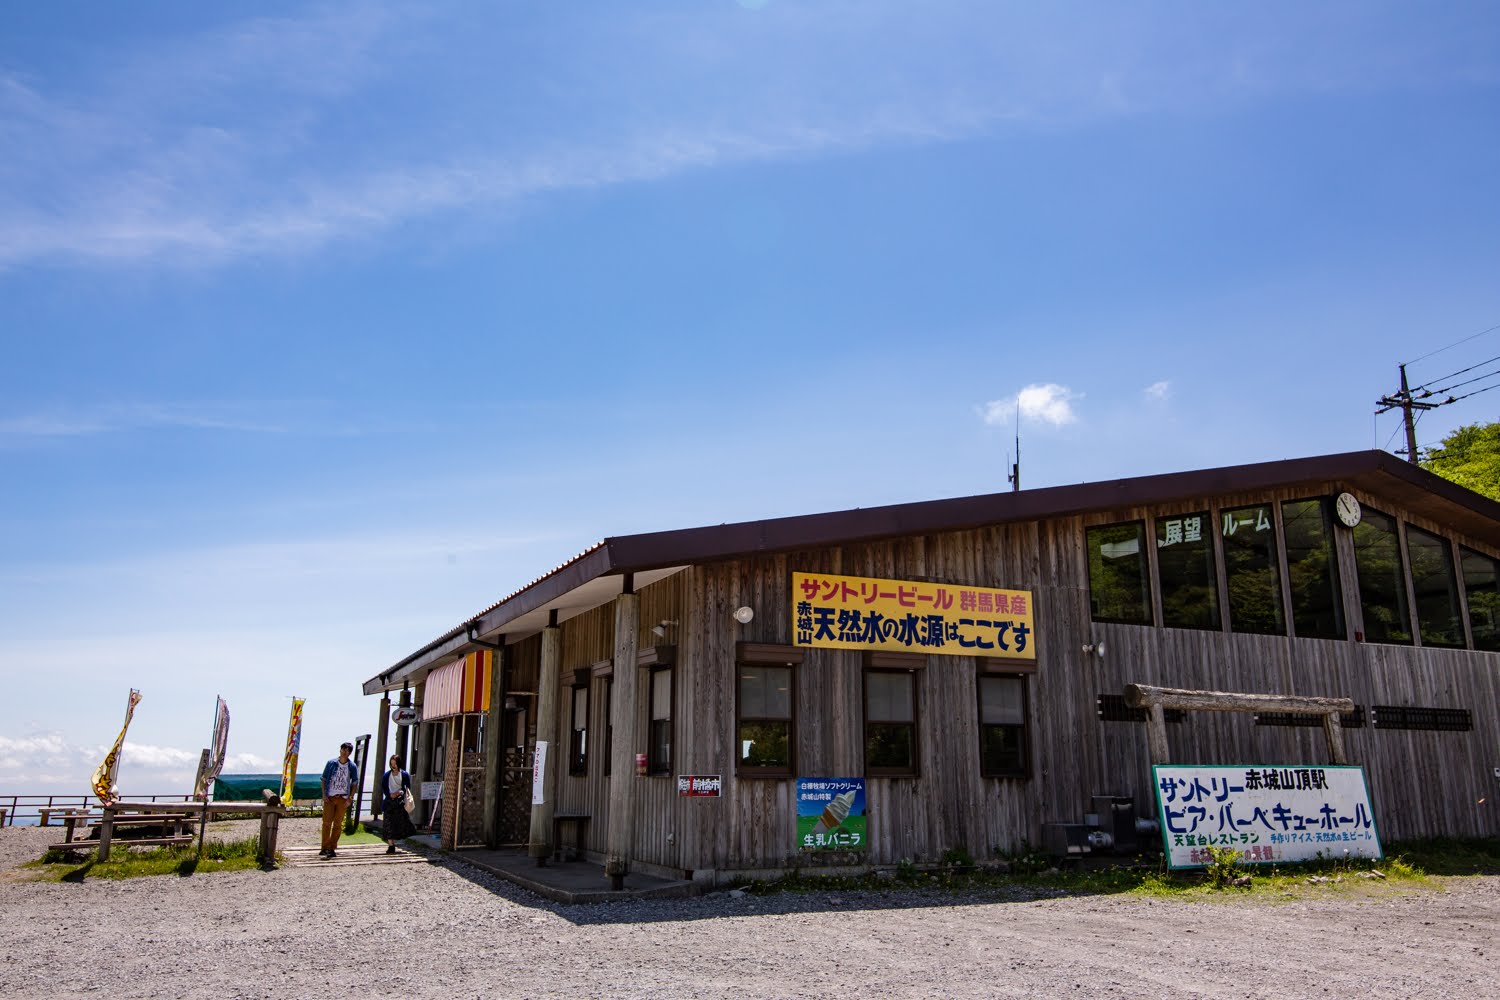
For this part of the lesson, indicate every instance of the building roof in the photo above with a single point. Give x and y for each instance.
(598, 574)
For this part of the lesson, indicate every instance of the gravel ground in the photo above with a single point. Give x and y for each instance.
(452, 931)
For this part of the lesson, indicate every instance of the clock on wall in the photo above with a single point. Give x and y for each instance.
(1347, 509)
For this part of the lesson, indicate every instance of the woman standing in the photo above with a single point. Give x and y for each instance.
(394, 785)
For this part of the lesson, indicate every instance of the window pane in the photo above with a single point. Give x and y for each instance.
(1002, 701)
(1482, 585)
(1435, 590)
(1118, 584)
(1250, 568)
(609, 726)
(661, 695)
(660, 758)
(766, 744)
(889, 745)
(1002, 750)
(1382, 581)
(1185, 559)
(888, 697)
(765, 692)
(1312, 569)
(580, 708)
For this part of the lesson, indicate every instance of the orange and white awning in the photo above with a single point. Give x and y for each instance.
(461, 687)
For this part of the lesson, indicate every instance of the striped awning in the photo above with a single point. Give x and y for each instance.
(461, 686)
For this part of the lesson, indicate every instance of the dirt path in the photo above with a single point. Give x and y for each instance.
(449, 931)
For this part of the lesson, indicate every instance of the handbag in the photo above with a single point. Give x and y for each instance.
(411, 802)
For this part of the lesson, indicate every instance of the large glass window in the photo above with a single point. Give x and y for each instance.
(1185, 563)
(1250, 569)
(890, 722)
(578, 741)
(1312, 569)
(1434, 589)
(659, 753)
(1482, 588)
(765, 719)
(1382, 579)
(1119, 581)
(1002, 727)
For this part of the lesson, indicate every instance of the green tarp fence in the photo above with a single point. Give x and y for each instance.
(247, 787)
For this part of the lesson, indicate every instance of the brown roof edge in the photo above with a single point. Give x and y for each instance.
(595, 562)
(691, 545)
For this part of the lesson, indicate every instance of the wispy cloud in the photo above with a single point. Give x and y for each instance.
(1048, 403)
(1158, 390)
(270, 136)
(123, 417)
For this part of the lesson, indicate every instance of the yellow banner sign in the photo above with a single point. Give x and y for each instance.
(855, 612)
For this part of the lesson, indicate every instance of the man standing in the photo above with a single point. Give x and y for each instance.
(340, 777)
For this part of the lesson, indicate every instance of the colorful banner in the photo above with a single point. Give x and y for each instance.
(105, 774)
(831, 814)
(855, 612)
(218, 749)
(1268, 813)
(293, 747)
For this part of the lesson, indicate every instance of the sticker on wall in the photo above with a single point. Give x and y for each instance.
(539, 774)
(831, 814)
(699, 786)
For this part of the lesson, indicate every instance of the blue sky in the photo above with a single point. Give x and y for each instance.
(325, 326)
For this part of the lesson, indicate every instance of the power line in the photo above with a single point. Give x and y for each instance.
(1475, 392)
(1451, 374)
(1467, 381)
(1440, 350)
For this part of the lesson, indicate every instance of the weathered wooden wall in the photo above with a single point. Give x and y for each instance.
(1421, 782)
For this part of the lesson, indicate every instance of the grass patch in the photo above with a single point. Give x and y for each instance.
(1409, 864)
(361, 836)
(127, 862)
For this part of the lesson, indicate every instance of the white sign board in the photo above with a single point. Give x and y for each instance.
(405, 715)
(1268, 813)
(538, 774)
(432, 790)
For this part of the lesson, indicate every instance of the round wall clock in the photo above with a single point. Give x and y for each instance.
(1347, 509)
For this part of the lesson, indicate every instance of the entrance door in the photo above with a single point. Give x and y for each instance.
(518, 743)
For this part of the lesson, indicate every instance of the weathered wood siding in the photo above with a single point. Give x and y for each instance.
(1421, 782)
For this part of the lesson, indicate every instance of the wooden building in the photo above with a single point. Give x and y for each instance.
(653, 657)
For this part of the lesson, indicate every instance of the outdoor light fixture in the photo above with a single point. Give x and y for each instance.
(1094, 648)
(745, 615)
(660, 628)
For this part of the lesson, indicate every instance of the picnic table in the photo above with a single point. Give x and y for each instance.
(179, 816)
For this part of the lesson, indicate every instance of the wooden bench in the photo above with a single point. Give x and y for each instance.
(580, 823)
(66, 812)
(77, 839)
(182, 839)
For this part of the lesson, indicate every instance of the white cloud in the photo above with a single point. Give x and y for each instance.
(1048, 403)
(1158, 390)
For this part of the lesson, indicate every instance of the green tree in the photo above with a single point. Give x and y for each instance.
(1470, 457)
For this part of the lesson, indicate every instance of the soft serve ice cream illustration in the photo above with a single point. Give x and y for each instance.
(835, 812)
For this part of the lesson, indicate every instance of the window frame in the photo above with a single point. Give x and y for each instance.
(1492, 645)
(1331, 532)
(743, 769)
(1277, 564)
(655, 766)
(1157, 579)
(1403, 578)
(1024, 773)
(1150, 592)
(578, 755)
(915, 768)
(1455, 587)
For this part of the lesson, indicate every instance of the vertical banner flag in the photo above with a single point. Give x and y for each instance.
(104, 776)
(293, 747)
(218, 747)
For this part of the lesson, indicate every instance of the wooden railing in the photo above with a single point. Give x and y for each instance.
(41, 808)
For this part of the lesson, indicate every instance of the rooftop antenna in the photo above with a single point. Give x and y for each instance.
(1015, 469)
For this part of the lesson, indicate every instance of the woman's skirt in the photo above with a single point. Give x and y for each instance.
(398, 824)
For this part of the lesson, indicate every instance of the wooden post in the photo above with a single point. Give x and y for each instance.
(106, 832)
(1333, 728)
(402, 731)
(494, 754)
(1156, 734)
(548, 679)
(377, 798)
(622, 754)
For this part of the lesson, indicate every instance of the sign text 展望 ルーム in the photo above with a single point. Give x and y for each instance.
(1268, 813)
(853, 612)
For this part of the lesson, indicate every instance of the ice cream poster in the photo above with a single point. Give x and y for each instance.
(831, 814)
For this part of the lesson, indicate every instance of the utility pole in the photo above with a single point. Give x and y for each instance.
(1408, 406)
